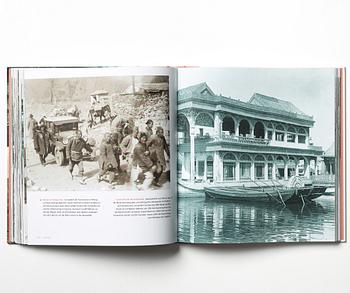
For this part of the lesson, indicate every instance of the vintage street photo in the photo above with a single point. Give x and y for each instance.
(97, 133)
(256, 155)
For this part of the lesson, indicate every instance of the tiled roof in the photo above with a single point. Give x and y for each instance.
(257, 101)
(195, 91)
(274, 103)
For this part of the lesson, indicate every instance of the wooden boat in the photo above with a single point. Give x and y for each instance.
(254, 194)
(188, 189)
(330, 191)
(317, 191)
(278, 194)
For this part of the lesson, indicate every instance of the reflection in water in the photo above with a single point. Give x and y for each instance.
(205, 221)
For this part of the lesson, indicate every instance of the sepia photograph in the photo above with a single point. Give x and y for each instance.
(256, 155)
(97, 133)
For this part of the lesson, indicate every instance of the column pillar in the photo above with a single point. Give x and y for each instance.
(217, 167)
(192, 165)
(237, 171)
(266, 171)
(286, 171)
(273, 135)
(217, 124)
(191, 123)
(251, 130)
(316, 167)
(196, 167)
(274, 170)
(252, 171)
(307, 169)
(183, 167)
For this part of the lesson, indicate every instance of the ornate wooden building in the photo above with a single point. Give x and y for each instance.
(221, 139)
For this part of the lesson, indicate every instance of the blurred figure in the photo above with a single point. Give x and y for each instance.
(42, 143)
(108, 163)
(157, 146)
(32, 123)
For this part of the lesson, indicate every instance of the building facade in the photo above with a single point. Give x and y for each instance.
(221, 139)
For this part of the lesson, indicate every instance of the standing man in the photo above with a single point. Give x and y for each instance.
(42, 143)
(142, 160)
(149, 126)
(107, 162)
(158, 145)
(75, 153)
(32, 123)
(127, 148)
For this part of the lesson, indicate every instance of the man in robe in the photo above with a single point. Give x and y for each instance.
(74, 153)
(158, 146)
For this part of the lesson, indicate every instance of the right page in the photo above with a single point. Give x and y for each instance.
(259, 155)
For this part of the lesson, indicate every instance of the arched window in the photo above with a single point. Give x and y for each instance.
(280, 162)
(244, 128)
(259, 158)
(228, 124)
(245, 157)
(245, 167)
(280, 127)
(292, 166)
(259, 167)
(204, 119)
(280, 158)
(183, 129)
(279, 134)
(291, 134)
(229, 157)
(229, 166)
(301, 135)
(210, 168)
(259, 130)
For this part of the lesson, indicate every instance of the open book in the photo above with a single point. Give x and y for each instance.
(157, 155)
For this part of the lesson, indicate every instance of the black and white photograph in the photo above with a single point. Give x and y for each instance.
(97, 133)
(256, 155)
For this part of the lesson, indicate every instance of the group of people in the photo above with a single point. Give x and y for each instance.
(126, 153)
(140, 155)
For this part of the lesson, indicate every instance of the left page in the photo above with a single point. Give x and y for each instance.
(96, 146)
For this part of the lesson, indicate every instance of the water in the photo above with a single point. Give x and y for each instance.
(210, 221)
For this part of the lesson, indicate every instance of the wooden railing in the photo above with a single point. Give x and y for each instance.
(244, 140)
(229, 138)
